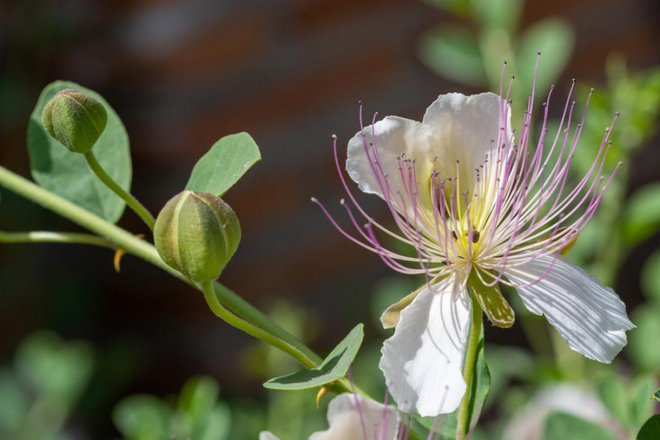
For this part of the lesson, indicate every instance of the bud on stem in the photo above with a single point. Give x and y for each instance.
(197, 234)
(75, 119)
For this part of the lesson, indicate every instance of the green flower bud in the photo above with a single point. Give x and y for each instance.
(197, 234)
(75, 119)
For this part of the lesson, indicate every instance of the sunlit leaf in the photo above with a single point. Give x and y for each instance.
(642, 214)
(563, 426)
(500, 13)
(642, 405)
(221, 167)
(199, 414)
(644, 336)
(67, 174)
(334, 366)
(142, 417)
(554, 39)
(454, 53)
(613, 394)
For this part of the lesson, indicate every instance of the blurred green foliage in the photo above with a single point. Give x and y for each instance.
(472, 53)
(40, 392)
(195, 414)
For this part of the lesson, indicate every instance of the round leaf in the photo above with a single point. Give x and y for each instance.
(67, 174)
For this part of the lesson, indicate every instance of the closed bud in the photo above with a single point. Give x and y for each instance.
(197, 234)
(75, 119)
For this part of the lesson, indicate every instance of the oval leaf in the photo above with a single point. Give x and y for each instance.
(641, 217)
(651, 276)
(453, 52)
(334, 366)
(221, 167)
(562, 426)
(67, 174)
(554, 38)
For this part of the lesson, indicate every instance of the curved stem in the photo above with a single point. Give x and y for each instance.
(131, 201)
(141, 249)
(54, 237)
(476, 323)
(223, 313)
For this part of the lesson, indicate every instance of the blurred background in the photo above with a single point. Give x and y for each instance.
(291, 73)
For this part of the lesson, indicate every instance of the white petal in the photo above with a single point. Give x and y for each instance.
(589, 316)
(422, 361)
(392, 136)
(350, 415)
(466, 129)
(267, 435)
(466, 125)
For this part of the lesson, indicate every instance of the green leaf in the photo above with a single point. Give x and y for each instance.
(142, 417)
(453, 52)
(334, 366)
(199, 414)
(14, 404)
(506, 363)
(67, 174)
(499, 13)
(650, 278)
(554, 38)
(221, 167)
(198, 397)
(563, 426)
(644, 336)
(613, 394)
(55, 368)
(641, 407)
(651, 429)
(216, 425)
(458, 7)
(641, 217)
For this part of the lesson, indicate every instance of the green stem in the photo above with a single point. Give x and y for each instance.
(131, 201)
(476, 323)
(141, 249)
(54, 237)
(223, 313)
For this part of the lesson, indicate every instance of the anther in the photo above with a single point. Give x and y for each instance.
(453, 234)
(475, 236)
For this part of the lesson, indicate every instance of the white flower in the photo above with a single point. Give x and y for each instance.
(353, 417)
(480, 211)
